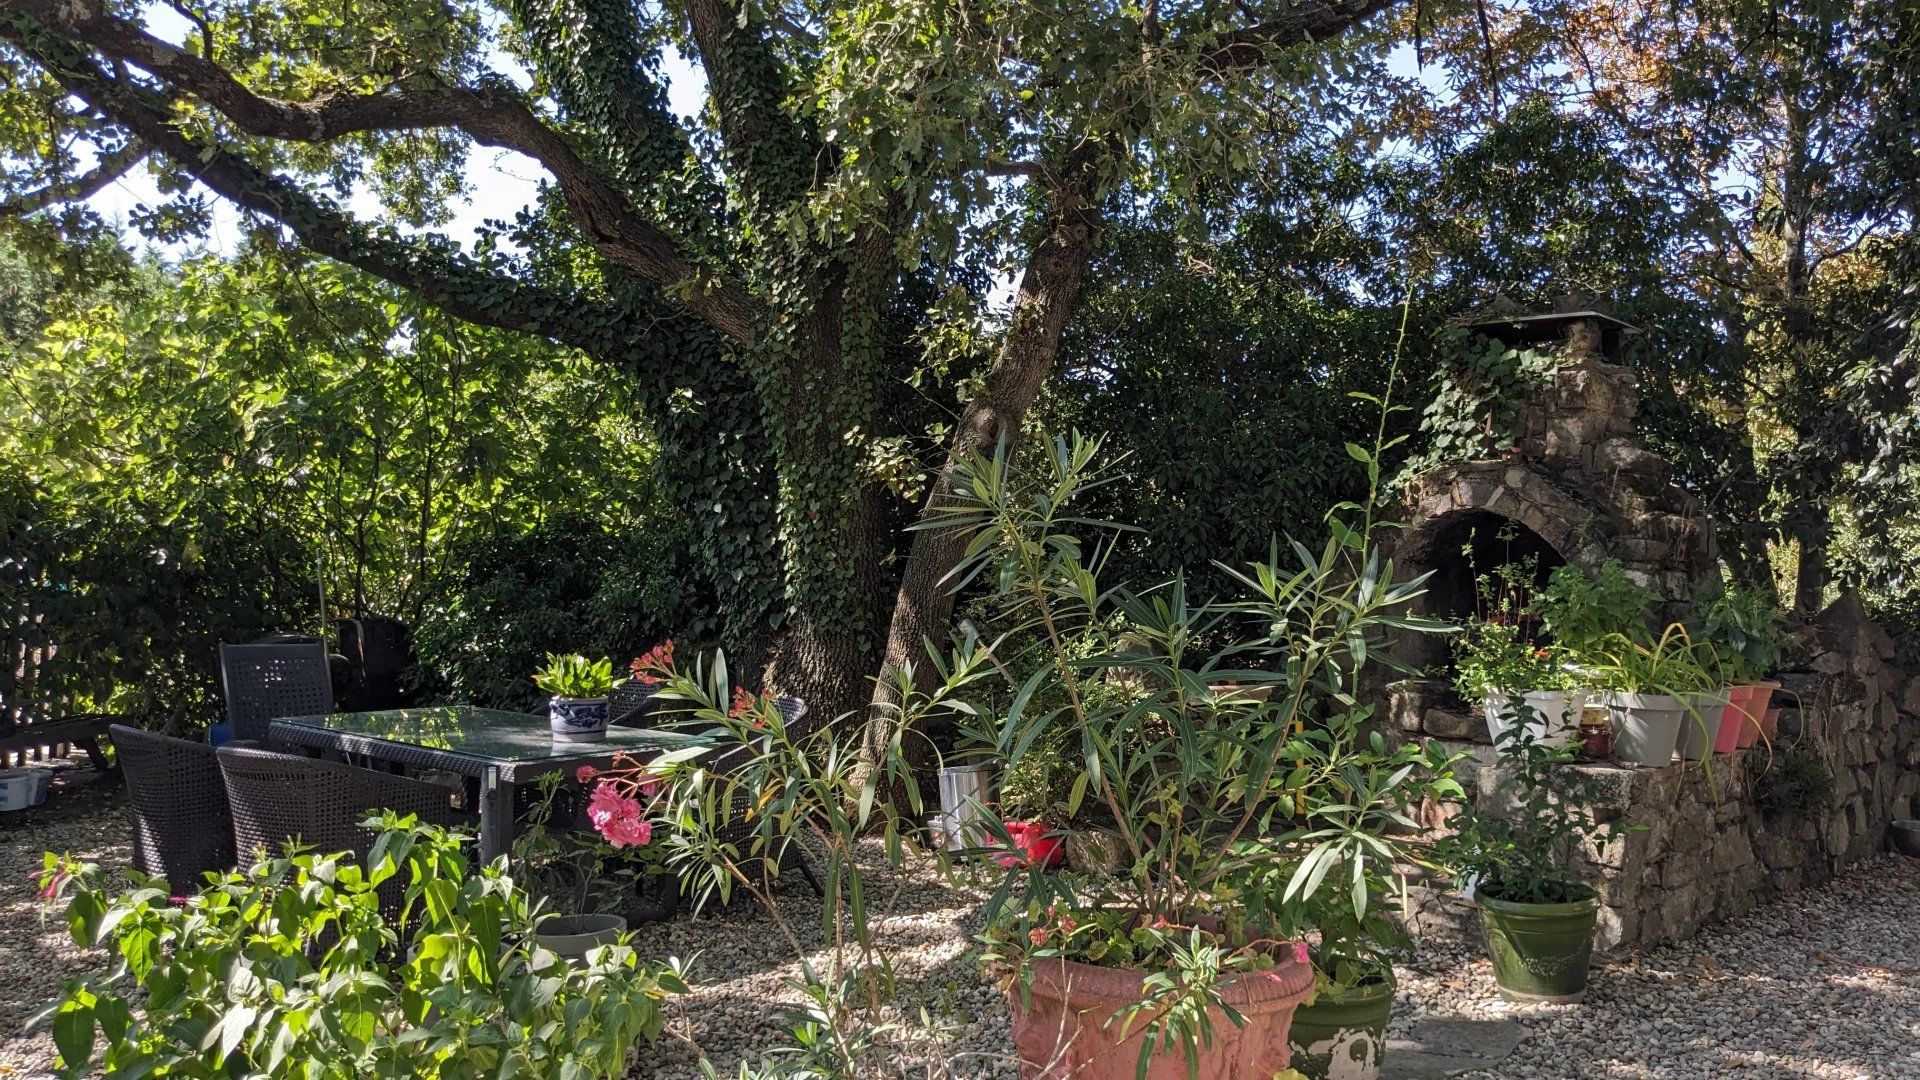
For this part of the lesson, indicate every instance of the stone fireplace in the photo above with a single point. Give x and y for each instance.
(1577, 486)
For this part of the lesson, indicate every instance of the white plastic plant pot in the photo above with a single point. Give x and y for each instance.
(1700, 723)
(1646, 727)
(1553, 715)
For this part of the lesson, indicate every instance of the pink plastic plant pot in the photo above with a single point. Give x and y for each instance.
(1732, 719)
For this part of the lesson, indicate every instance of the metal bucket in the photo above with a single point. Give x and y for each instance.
(963, 793)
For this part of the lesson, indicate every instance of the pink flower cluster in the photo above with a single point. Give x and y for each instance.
(617, 817)
(656, 664)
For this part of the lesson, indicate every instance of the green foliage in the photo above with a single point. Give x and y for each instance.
(286, 968)
(574, 676)
(1478, 389)
(1220, 378)
(253, 431)
(1795, 782)
(1215, 791)
(1742, 624)
(1583, 612)
(1516, 842)
(1493, 657)
(573, 580)
(1673, 663)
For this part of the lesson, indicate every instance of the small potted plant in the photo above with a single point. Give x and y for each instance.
(1743, 624)
(1033, 805)
(1647, 693)
(1516, 681)
(577, 712)
(1511, 848)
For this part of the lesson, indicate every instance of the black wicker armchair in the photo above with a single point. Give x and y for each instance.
(181, 826)
(280, 797)
(801, 724)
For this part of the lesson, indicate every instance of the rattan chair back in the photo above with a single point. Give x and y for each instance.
(263, 682)
(277, 798)
(181, 826)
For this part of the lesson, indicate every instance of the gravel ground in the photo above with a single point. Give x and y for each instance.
(82, 815)
(1826, 985)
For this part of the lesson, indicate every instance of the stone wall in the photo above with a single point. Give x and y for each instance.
(1720, 839)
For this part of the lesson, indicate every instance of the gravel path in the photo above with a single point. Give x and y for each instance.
(82, 815)
(1826, 985)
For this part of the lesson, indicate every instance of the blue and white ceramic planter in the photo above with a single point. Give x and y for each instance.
(577, 719)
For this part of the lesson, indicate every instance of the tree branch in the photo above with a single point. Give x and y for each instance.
(455, 283)
(1312, 20)
(493, 116)
(766, 149)
(110, 168)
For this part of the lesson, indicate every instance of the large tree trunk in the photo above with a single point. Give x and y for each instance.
(923, 605)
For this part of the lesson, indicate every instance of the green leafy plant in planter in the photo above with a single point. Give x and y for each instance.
(1515, 846)
(571, 675)
(1744, 625)
(1210, 786)
(578, 710)
(1583, 613)
(288, 969)
(1651, 688)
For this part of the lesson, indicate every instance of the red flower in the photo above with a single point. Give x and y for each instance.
(50, 882)
(1067, 924)
(585, 774)
(747, 704)
(1037, 935)
(654, 665)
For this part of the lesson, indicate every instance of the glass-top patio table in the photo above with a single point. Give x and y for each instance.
(501, 750)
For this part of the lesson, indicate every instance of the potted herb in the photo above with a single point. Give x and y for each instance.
(1516, 681)
(577, 712)
(1161, 968)
(1743, 623)
(586, 848)
(1511, 848)
(1646, 697)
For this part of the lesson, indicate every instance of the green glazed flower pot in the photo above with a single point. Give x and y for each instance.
(1343, 1036)
(1540, 951)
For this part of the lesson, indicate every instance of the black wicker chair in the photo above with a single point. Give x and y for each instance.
(263, 682)
(631, 705)
(801, 723)
(280, 797)
(181, 827)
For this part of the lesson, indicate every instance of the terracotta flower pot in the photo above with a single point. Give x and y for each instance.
(1062, 1030)
(1034, 842)
(1758, 696)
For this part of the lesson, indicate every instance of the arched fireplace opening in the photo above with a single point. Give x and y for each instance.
(1470, 545)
